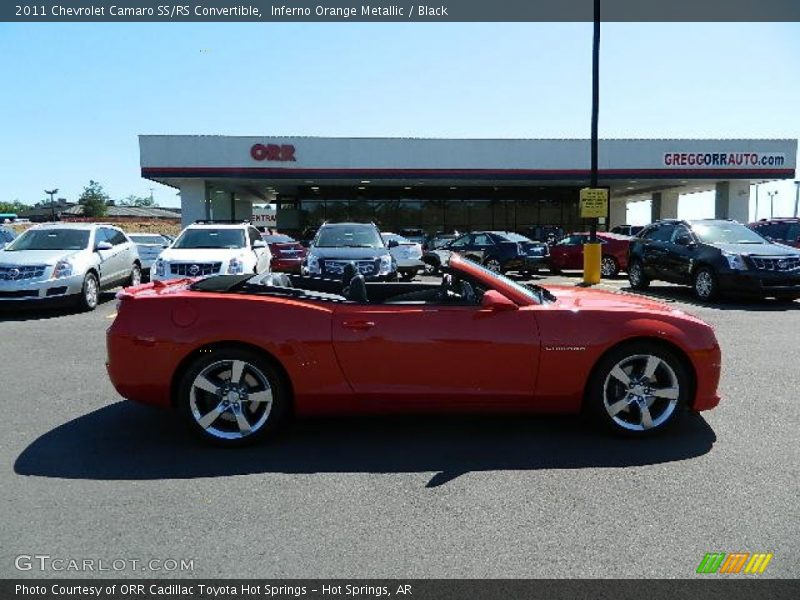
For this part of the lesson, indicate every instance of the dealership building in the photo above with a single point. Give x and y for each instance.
(453, 184)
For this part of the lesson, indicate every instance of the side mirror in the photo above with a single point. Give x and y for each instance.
(259, 244)
(393, 244)
(103, 246)
(496, 302)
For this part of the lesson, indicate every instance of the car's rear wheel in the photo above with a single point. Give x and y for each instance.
(636, 276)
(232, 397)
(493, 265)
(639, 389)
(609, 267)
(90, 293)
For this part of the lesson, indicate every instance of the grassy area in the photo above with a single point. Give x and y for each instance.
(149, 226)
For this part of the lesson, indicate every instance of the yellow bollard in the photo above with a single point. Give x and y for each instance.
(592, 253)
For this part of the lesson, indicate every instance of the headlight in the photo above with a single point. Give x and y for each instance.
(386, 265)
(235, 267)
(312, 264)
(63, 269)
(160, 267)
(735, 261)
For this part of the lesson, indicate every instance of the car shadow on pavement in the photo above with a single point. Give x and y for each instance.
(673, 293)
(53, 309)
(125, 441)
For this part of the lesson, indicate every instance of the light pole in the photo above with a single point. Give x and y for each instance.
(52, 206)
(592, 259)
(755, 216)
(772, 195)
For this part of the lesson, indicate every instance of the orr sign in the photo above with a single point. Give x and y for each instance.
(273, 152)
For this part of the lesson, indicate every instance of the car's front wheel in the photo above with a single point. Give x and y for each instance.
(639, 389)
(136, 276)
(232, 397)
(636, 276)
(90, 293)
(704, 285)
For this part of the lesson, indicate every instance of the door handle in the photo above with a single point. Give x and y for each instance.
(358, 325)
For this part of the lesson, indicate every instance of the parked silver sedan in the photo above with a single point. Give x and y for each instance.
(71, 261)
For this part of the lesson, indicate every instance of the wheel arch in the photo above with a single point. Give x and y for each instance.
(187, 360)
(679, 352)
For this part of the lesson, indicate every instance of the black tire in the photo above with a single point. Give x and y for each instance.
(609, 267)
(606, 394)
(90, 293)
(135, 277)
(224, 429)
(704, 285)
(636, 276)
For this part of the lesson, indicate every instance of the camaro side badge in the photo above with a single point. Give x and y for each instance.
(565, 348)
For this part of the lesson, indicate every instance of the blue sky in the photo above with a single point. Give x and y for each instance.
(77, 95)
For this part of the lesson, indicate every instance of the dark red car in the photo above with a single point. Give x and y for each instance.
(567, 254)
(784, 231)
(287, 253)
(236, 354)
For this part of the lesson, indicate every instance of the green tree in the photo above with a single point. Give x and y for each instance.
(13, 207)
(93, 199)
(141, 201)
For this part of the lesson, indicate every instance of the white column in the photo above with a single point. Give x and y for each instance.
(193, 200)
(618, 213)
(669, 204)
(733, 200)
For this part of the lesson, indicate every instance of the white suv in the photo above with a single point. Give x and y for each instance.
(206, 248)
(68, 260)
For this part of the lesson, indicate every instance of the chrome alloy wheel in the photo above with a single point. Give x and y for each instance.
(136, 276)
(91, 292)
(704, 284)
(641, 392)
(608, 267)
(231, 399)
(635, 274)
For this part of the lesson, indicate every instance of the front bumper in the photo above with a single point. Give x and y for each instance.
(526, 263)
(760, 283)
(40, 289)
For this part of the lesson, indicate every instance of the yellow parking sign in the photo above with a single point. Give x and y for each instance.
(594, 203)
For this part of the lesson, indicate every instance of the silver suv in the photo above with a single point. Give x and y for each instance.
(68, 260)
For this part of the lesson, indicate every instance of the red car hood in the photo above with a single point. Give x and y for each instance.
(593, 298)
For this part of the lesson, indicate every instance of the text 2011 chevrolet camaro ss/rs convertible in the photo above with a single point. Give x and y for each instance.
(236, 354)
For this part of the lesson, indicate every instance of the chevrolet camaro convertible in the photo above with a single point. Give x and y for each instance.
(237, 354)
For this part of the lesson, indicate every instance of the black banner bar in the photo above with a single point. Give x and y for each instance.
(706, 587)
(397, 10)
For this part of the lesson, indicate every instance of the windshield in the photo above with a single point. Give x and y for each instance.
(51, 239)
(726, 233)
(348, 236)
(210, 238)
(147, 239)
(534, 292)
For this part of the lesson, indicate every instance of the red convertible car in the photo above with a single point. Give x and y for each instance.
(235, 354)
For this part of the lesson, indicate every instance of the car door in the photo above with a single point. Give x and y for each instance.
(481, 245)
(568, 253)
(105, 262)
(654, 250)
(459, 245)
(121, 258)
(679, 256)
(428, 355)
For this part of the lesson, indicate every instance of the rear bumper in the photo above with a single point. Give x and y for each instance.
(760, 283)
(526, 263)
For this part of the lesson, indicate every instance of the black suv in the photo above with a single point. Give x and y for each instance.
(715, 257)
(337, 244)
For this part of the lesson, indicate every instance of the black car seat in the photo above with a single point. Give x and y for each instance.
(356, 291)
(348, 272)
(467, 292)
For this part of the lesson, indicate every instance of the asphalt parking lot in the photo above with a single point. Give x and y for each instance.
(86, 475)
